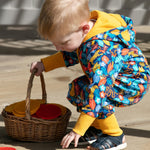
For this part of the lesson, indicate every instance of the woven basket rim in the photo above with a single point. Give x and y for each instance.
(34, 119)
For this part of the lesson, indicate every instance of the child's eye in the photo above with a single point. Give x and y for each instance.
(66, 42)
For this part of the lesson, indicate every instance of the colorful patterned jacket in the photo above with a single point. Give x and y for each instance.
(109, 58)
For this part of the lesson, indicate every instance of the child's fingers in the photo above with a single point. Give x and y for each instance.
(68, 141)
(38, 66)
(38, 72)
(65, 142)
(76, 140)
(33, 66)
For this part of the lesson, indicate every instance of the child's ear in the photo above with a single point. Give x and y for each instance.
(85, 27)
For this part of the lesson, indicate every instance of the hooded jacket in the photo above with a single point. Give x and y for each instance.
(114, 65)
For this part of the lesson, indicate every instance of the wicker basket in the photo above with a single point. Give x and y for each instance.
(33, 129)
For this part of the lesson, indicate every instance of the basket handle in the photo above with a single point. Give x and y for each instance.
(30, 83)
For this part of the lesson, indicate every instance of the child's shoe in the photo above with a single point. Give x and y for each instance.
(107, 142)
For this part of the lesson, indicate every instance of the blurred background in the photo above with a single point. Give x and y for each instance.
(25, 12)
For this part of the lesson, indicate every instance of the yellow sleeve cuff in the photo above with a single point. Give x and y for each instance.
(83, 123)
(53, 61)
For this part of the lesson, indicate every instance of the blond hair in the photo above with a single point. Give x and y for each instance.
(60, 17)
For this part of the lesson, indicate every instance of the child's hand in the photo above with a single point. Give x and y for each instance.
(39, 66)
(72, 136)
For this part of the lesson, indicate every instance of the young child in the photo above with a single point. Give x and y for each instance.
(116, 71)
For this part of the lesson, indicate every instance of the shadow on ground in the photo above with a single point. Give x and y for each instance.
(24, 41)
(4, 139)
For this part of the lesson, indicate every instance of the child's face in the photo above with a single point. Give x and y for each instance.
(69, 42)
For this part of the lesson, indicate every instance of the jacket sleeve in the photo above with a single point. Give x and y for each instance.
(53, 61)
(70, 58)
(60, 59)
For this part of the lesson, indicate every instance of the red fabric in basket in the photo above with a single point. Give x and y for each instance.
(7, 148)
(48, 111)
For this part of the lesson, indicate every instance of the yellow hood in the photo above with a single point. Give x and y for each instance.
(105, 22)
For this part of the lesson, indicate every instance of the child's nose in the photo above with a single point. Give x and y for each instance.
(58, 47)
